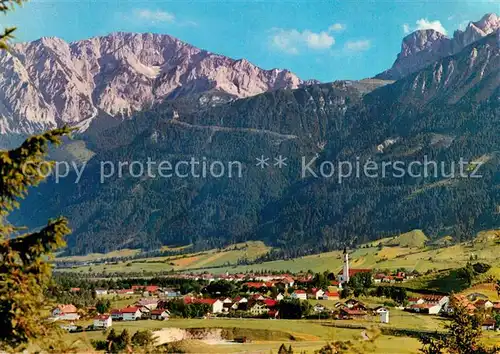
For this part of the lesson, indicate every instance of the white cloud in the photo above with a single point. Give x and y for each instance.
(292, 41)
(156, 16)
(336, 27)
(424, 23)
(358, 46)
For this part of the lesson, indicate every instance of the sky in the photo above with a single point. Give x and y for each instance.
(323, 40)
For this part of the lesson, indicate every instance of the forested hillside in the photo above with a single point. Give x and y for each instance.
(448, 111)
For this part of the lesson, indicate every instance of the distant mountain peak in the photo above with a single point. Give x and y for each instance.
(49, 82)
(423, 47)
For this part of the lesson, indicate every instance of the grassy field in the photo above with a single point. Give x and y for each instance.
(404, 251)
(211, 258)
(308, 335)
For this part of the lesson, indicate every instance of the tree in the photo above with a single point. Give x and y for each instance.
(463, 335)
(221, 288)
(294, 308)
(102, 306)
(143, 339)
(24, 269)
(8, 32)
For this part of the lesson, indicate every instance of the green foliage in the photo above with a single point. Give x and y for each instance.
(24, 270)
(294, 308)
(116, 343)
(191, 310)
(143, 339)
(360, 283)
(395, 293)
(481, 268)
(221, 288)
(8, 32)
(102, 306)
(321, 280)
(463, 335)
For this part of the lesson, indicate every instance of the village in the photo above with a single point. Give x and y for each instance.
(272, 296)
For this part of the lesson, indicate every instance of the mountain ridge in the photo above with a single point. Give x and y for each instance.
(50, 82)
(422, 47)
(336, 122)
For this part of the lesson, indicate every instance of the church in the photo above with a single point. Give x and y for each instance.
(346, 273)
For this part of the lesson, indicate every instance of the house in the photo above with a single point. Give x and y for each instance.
(316, 294)
(74, 290)
(254, 285)
(116, 315)
(299, 294)
(347, 313)
(279, 297)
(240, 299)
(483, 304)
(415, 300)
(270, 303)
(150, 304)
(378, 278)
(341, 277)
(488, 324)
(331, 295)
(258, 297)
(161, 315)
(273, 313)
(65, 313)
(431, 309)
(216, 306)
(170, 293)
(355, 304)
(100, 292)
(125, 292)
(132, 313)
(257, 308)
(145, 312)
(103, 321)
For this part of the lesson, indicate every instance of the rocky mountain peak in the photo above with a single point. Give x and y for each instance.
(423, 47)
(49, 82)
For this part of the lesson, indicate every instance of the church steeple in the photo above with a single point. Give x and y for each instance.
(345, 271)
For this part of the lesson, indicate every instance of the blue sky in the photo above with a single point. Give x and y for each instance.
(325, 40)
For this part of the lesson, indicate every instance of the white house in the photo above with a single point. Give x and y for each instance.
(100, 292)
(258, 309)
(131, 313)
(161, 315)
(299, 294)
(488, 324)
(279, 297)
(103, 321)
(316, 294)
(65, 313)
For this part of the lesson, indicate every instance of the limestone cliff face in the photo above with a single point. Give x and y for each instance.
(422, 48)
(50, 82)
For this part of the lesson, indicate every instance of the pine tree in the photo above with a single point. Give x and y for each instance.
(24, 269)
(8, 32)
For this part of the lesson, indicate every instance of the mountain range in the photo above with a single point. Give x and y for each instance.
(447, 110)
(49, 82)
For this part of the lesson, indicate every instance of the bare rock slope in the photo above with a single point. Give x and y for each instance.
(50, 82)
